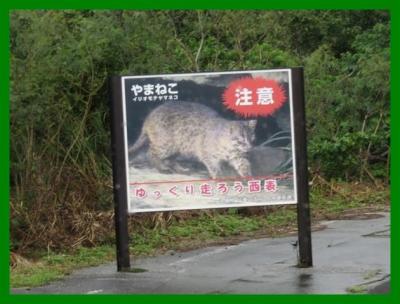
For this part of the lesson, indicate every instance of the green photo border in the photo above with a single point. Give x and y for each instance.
(6, 6)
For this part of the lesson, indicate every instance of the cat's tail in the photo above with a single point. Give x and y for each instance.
(139, 144)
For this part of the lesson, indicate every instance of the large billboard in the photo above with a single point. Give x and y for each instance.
(209, 140)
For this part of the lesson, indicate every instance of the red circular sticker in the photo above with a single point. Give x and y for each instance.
(252, 97)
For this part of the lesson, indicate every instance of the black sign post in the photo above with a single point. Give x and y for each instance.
(119, 93)
(303, 205)
(119, 175)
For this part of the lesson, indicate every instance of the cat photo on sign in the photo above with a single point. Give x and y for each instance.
(187, 130)
(206, 140)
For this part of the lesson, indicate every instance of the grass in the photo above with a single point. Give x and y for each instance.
(52, 266)
(328, 201)
(362, 288)
(372, 274)
(357, 289)
(210, 230)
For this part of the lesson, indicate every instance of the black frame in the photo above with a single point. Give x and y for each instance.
(120, 178)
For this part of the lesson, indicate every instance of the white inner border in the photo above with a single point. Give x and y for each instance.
(248, 204)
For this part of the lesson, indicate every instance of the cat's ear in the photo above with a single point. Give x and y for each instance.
(252, 123)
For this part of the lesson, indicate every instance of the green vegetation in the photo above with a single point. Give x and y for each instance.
(51, 266)
(357, 289)
(60, 168)
(371, 274)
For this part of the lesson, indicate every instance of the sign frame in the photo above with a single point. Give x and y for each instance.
(120, 160)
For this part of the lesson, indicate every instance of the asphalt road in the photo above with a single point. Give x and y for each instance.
(349, 256)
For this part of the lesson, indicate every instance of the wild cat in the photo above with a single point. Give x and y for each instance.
(194, 131)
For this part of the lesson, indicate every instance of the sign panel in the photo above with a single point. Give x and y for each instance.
(209, 140)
